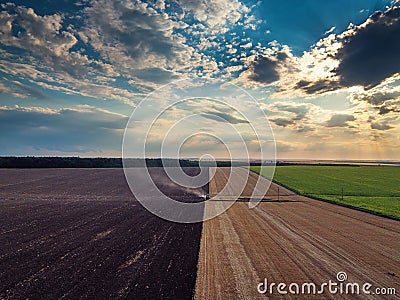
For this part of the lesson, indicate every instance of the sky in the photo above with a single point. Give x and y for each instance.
(325, 73)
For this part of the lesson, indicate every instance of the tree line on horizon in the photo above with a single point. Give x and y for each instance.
(97, 162)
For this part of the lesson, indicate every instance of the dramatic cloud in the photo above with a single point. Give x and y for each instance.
(370, 52)
(45, 38)
(300, 110)
(315, 87)
(151, 46)
(380, 126)
(332, 86)
(383, 110)
(364, 56)
(282, 121)
(266, 66)
(22, 27)
(339, 120)
(61, 129)
(51, 59)
(385, 98)
(301, 119)
(134, 36)
(265, 70)
(368, 55)
(20, 90)
(377, 98)
(215, 13)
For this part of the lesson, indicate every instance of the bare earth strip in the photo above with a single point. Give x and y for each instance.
(296, 240)
(80, 234)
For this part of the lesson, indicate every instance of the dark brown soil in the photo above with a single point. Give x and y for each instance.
(79, 234)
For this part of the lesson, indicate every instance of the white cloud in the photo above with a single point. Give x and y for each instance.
(43, 37)
(330, 30)
(217, 14)
(138, 40)
(247, 45)
(335, 64)
(49, 60)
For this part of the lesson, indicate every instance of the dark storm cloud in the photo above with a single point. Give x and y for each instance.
(317, 87)
(339, 120)
(369, 54)
(383, 110)
(265, 70)
(372, 53)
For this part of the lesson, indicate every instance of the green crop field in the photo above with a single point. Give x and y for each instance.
(373, 189)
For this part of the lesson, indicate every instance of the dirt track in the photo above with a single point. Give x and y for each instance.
(297, 240)
(79, 234)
